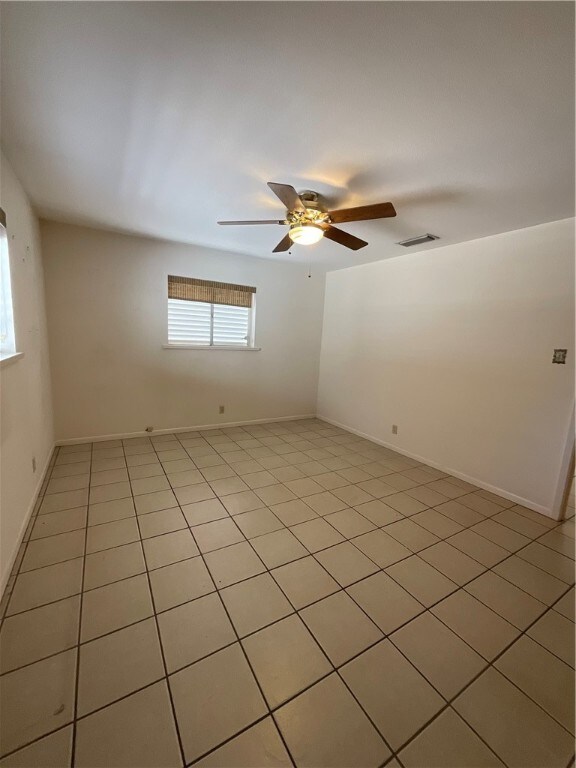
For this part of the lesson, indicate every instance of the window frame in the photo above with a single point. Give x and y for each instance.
(8, 349)
(250, 346)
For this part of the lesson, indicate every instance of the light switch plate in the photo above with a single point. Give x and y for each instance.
(559, 356)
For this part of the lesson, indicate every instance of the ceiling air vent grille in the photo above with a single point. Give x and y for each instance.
(418, 240)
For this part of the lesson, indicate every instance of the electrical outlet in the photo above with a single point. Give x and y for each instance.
(149, 429)
(394, 429)
(33, 463)
(559, 356)
(220, 409)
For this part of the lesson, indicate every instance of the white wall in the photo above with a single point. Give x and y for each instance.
(107, 305)
(454, 345)
(26, 429)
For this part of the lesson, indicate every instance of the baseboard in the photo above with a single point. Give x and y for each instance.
(174, 430)
(461, 475)
(6, 574)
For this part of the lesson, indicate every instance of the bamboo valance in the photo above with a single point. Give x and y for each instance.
(191, 289)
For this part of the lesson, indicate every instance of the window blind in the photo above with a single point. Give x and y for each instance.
(210, 291)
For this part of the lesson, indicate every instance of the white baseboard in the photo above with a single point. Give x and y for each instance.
(8, 570)
(174, 430)
(461, 475)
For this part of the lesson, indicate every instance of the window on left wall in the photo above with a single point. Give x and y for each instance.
(7, 335)
(208, 314)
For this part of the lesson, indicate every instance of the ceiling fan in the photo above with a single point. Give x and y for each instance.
(309, 222)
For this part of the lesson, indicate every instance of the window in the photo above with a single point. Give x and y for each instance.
(204, 313)
(7, 339)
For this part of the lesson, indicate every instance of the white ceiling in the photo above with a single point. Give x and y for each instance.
(161, 118)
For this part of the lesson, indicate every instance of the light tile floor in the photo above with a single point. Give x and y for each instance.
(283, 594)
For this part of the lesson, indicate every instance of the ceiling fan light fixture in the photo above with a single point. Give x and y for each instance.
(305, 234)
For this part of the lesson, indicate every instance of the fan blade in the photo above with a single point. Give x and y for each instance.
(288, 195)
(363, 213)
(262, 221)
(349, 241)
(284, 245)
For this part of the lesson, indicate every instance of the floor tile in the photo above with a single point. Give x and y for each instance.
(531, 579)
(118, 664)
(486, 631)
(439, 654)
(501, 535)
(154, 502)
(164, 521)
(259, 746)
(404, 503)
(37, 699)
(349, 523)
(113, 564)
(110, 492)
(278, 548)
(352, 495)
(275, 494)
(191, 494)
(325, 727)
(411, 535)
(304, 581)
(257, 522)
(233, 564)
(114, 606)
(552, 562)
(227, 485)
(423, 581)
(331, 480)
(218, 534)
(508, 601)
(437, 523)
(346, 563)
(56, 502)
(448, 743)
(387, 603)
(46, 585)
(324, 503)
(377, 488)
(459, 513)
(215, 699)
(316, 534)
(478, 548)
(145, 470)
(245, 501)
(565, 605)
(110, 535)
(342, 629)
(109, 511)
(381, 548)
(136, 732)
(149, 485)
(427, 495)
(33, 635)
(556, 633)
(204, 511)
(180, 582)
(452, 563)
(543, 677)
(68, 470)
(285, 659)
(293, 512)
(53, 751)
(255, 603)
(181, 479)
(520, 733)
(59, 522)
(194, 630)
(169, 548)
(394, 694)
(54, 549)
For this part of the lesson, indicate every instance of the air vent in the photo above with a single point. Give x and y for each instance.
(418, 240)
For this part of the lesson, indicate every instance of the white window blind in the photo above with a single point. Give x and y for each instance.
(209, 323)
(7, 338)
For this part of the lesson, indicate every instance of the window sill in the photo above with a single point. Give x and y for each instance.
(9, 358)
(211, 349)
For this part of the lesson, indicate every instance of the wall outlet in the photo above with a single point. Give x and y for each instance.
(559, 356)
(394, 429)
(33, 463)
(149, 429)
(220, 409)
